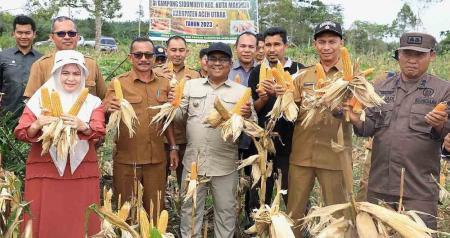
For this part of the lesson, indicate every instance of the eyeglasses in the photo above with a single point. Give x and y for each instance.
(64, 33)
(221, 60)
(138, 55)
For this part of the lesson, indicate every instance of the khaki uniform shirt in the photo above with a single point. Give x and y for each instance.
(41, 72)
(215, 156)
(146, 146)
(403, 139)
(311, 146)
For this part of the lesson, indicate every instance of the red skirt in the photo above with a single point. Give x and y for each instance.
(58, 206)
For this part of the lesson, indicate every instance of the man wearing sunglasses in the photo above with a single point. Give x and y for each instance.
(65, 37)
(143, 155)
(216, 159)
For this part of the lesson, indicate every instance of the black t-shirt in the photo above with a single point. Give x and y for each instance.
(284, 128)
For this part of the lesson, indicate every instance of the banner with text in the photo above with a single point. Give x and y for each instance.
(202, 20)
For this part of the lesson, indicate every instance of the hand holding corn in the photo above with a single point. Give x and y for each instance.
(246, 111)
(74, 122)
(42, 121)
(269, 87)
(438, 116)
(353, 116)
(279, 90)
(113, 105)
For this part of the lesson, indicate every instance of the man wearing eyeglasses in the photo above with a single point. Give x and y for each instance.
(142, 156)
(65, 37)
(15, 64)
(216, 159)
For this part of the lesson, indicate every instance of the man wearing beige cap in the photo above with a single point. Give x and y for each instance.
(407, 131)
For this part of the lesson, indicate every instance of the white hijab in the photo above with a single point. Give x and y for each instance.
(64, 57)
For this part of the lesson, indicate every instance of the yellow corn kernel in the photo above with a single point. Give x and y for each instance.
(368, 72)
(279, 76)
(237, 79)
(289, 82)
(79, 102)
(262, 74)
(280, 67)
(57, 109)
(194, 173)
(170, 66)
(244, 99)
(144, 224)
(356, 105)
(179, 88)
(118, 89)
(442, 106)
(347, 64)
(320, 76)
(46, 103)
(163, 221)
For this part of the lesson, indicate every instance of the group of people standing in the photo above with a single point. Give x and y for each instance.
(407, 133)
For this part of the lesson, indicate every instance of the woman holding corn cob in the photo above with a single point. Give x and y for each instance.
(408, 130)
(61, 183)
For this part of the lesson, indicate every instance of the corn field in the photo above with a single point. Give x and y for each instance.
(14, 152)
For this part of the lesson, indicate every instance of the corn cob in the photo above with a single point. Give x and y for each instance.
(179, 88)
(57, 110)
(163, 221)
(79, 102)
(124, 211)
(46, 103)
(368, 72)
(320, 76)
(289, 82)
(262, 75)
(144, 224)
(118, 89)
(237, 79)
(280, 67)
(347, 64)
(243, 100)
(194, 173)
(170, 66)
(278, 75)
(357, 106)
(442, 106)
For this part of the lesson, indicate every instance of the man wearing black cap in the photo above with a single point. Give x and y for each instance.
(312, 154)
(407, 131)
(160, 55)
(216, 159)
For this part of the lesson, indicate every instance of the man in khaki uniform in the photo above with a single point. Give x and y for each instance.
(312, 154)
(407, 131)
(65, 36)
(141, 157)
(177, 52)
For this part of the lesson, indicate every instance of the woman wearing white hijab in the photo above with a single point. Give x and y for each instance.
(61, 190)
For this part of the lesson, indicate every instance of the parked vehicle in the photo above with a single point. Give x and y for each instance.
(106, 43)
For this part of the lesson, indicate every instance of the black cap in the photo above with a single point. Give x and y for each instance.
(328, 26)
(220, 47)
(159, 51)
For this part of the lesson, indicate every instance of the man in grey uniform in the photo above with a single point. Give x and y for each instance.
(407, 131)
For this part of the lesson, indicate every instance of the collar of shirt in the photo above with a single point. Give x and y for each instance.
(32, 51)
(237, 65)
(206, 81)
(421, 82)
(181, 69)
(134, 76)
(287, 64)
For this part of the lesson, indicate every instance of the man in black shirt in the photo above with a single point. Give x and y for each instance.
(15, 64)
(275, 40)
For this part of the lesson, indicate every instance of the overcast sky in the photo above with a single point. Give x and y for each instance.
(436, 18)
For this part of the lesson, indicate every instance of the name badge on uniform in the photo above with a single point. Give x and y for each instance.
(308, 84)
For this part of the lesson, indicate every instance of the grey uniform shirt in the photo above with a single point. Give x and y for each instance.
(14, 72)
(216, 157)
(403, 139)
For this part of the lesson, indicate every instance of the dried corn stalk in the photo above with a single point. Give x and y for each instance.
(270, 221)
(258, 162)
(370, 221)
(169, 109)
(191, 191)
(125, 114)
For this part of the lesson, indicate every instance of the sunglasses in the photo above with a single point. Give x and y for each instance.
(64, 33)
(138, 55)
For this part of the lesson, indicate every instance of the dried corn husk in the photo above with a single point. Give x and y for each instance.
(126, 114)
(168, 110)
(191, 191)
(284, 105)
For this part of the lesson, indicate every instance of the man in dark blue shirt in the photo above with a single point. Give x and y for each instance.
(15, 64)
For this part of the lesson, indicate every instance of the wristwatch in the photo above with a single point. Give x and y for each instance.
(174, 147)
